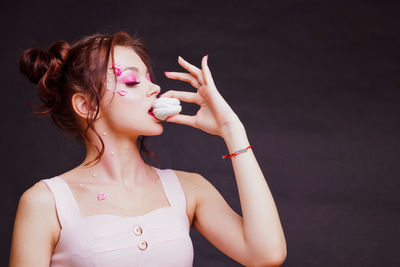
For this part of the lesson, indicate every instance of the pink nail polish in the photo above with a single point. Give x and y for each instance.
(207, 57)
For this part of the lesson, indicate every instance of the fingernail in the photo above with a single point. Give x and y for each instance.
(207, 57)
(165, 72)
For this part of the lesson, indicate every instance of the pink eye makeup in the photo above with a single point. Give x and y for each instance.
(129, 79)
(126, 76)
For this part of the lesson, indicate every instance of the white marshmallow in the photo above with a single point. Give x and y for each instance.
(164, 107)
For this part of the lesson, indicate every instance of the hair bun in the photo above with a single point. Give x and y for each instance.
(59, 50)
(35, 63)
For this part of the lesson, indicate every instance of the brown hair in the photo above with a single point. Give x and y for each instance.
(64, 70)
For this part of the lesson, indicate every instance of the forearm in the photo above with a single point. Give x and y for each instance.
(263, 232)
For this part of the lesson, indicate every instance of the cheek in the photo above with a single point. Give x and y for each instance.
(120, 90)
(125, 110)
(125, 99)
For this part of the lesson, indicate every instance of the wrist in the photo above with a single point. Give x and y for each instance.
(243, 150)
(235, 137)
(232, 129)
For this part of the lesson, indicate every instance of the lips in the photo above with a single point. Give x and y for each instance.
(151, 114)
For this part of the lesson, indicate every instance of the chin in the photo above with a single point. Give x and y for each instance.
(155, 131)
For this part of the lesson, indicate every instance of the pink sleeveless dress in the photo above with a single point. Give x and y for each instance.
(157, 238)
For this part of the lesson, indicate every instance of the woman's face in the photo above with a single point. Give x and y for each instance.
(129, 82)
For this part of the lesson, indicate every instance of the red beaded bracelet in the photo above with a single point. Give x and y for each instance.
(236, 153)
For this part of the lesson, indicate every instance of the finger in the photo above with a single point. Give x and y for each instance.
(192, 69)
(189, 97)
(182, 119)
(186, 77)
(206, 71)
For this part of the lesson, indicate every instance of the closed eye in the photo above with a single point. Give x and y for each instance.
(132, 83)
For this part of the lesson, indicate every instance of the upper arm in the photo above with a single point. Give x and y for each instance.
(36, 228)
(217, 222)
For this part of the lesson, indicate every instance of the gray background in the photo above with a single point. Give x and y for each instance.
(316, 84)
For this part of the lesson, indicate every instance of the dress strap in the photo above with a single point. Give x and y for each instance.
(172, 188)
(66, 206)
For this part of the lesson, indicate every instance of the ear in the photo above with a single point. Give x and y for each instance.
(80, 104)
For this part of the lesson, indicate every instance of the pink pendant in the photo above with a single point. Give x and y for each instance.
(101, 196)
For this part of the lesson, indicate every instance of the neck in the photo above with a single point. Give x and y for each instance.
(120, 163)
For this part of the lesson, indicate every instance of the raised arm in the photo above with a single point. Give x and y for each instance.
(257, 238)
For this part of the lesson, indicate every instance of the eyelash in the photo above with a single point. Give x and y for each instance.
(132, 83)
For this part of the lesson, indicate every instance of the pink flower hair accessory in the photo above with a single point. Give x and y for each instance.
(117, 68)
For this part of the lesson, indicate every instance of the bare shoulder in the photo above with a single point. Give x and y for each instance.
(36, 228)
(36, 200)
(37, 197)
(38, 203)
(190, 179)
(191, 183)
(195, 181)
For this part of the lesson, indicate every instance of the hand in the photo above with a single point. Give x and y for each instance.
(215, 116)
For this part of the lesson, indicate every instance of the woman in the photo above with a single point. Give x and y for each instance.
(114, 209)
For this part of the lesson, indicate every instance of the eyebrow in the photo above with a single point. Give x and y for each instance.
(134, 69)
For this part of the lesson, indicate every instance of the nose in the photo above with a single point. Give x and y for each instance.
(154, 89)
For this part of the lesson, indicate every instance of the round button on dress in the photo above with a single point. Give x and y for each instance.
(138, 230)
(142, 245)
